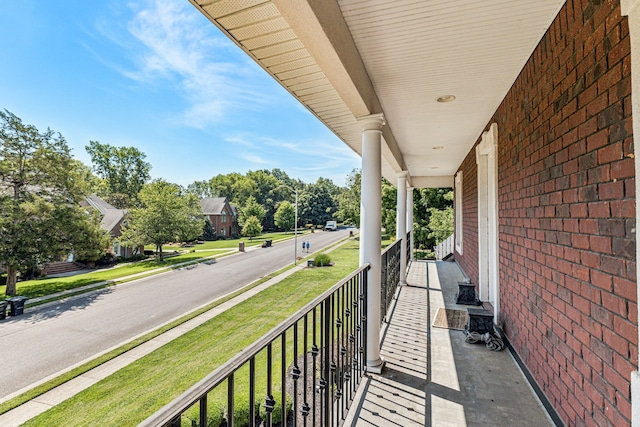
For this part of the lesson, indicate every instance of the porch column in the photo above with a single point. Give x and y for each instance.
(370, 234)
(401, 224)
(410, 220)
(631, 9)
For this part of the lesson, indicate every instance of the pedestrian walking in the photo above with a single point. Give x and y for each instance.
(304, 244)
(307, 246)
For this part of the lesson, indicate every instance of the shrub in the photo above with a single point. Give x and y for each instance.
(321, 260)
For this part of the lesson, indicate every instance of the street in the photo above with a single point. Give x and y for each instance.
(54, 337)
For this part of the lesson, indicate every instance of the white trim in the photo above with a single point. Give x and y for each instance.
(631, 8)
(488, 276)
(458, 211)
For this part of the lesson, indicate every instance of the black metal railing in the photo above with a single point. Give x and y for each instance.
(306, 370)
(409, 248)
(390, 277)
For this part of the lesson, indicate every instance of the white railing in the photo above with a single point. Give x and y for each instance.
(444, 249)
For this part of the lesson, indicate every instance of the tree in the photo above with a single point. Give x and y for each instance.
(389, 204)
(123, 169)
(252, 227)
(40, 190)
(285, 216)
(201, 189)
(317, 204)
(93, 240)
(167, 214)
(440, 224)
(349, 200)
(427, 203)
(208, 233)
(251, 209)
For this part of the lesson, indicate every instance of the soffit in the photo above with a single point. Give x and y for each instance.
(348, 58)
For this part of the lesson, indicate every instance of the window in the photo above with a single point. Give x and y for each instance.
(458, 208)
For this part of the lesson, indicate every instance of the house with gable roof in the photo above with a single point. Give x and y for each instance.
(222, 215)
(112, 220)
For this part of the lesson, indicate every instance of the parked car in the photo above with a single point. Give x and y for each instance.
(331, 226)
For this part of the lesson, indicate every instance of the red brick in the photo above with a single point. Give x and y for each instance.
(623, 169)
(600, 244)
(626, 329)
(601, 280)
(599, 210)
(625, 288)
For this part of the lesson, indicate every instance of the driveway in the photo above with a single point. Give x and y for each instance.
(51, 338)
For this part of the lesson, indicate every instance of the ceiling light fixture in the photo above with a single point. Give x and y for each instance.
(437, 147)
(446, 98)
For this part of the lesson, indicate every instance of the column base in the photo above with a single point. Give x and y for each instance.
(375, 367)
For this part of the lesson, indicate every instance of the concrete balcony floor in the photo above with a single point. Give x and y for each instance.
(432, 377)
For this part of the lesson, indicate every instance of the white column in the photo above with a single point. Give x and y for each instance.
(370, 234)
(631, 9)
(410, 220)
(401, 224)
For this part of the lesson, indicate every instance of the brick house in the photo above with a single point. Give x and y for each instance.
(526, 109)
(111, 220)
(222, 215)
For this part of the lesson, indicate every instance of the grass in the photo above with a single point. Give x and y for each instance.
(136, 391)
(231, 243)
(42, 287)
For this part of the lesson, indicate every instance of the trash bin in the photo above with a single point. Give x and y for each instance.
(241, 246)
(16, 305)
(268, 243)
(3, 310)
(310, 263)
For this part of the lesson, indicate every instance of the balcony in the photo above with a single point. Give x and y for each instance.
(312, 367)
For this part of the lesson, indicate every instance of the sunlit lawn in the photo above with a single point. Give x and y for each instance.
(230, 243)
(136, 391)
(41, 287)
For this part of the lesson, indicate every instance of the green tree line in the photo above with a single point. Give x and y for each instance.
(42, 187)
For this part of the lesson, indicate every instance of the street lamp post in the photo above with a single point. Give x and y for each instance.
(295, 227)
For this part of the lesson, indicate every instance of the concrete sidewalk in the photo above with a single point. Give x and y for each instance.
(432, 377)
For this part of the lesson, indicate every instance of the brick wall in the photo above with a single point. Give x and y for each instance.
(567, 215)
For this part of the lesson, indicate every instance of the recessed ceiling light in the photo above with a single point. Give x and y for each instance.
(446, 98)
(437, 147)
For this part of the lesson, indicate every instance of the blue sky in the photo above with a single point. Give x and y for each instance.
(157, 75)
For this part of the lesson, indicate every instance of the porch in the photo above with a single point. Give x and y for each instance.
(432, 377)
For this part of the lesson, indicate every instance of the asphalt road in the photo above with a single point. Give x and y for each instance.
(43, 341)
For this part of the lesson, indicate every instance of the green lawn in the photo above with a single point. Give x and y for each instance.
(42, 287)
(231, 243)
(136, 391)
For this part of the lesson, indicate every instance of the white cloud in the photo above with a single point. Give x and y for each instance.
(253, 158)
(173, 45)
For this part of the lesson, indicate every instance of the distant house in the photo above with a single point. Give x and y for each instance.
(111, 220)
(222, 215)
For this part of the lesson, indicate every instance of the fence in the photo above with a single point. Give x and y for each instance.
(444, 249)
(308, 369)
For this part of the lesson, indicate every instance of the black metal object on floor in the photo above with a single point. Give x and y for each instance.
(480, 321)
(467, 294)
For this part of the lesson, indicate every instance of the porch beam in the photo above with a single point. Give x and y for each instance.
(401, 223)
(631, 9)
(321, 27)
(370, 234)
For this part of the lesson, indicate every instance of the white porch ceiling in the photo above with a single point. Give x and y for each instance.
(345, 59)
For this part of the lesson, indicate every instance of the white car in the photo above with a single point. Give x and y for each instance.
(331, 226)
